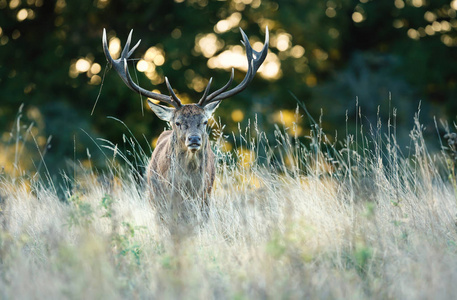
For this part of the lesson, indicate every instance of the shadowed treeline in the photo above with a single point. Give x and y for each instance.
(329, 54)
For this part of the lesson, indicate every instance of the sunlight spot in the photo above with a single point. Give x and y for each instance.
(357, 17)
(60, 5)
(418, 3)
(271, 69)
(320, 54)
(96, 68)
(399, 4)
(239, 6)
(154, 76)
(176, 33)
(413, 34)
(151, 53)
(225, 25)
(95, 80)
(142, 65)
(283, 41)
(256, 3)
(454, 4)
(82, 65)
(14, 4)
(429, 30)
(447, 40)
(207, 44)
(297, 51)
(222, 26)
(154, 56)
(330, 12)
(114, 47)
(397, 23)
(22, 15)
(445, 26)
(159, 60)
(30, 14)
(237, 115)
(436, 26)
(235, 57)
(429, 16)
(284, 117)
(198, 84)
(72, 72)
(311, 80)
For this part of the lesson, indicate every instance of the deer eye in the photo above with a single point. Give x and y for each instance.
(206, 122)
(178, 124)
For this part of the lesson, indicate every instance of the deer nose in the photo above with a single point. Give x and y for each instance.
(194, 139)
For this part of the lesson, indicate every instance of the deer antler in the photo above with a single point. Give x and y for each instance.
(121, 67)
(255, 60)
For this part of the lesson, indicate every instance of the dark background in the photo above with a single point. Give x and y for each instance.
(328, 54)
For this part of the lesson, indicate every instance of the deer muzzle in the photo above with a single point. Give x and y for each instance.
(194, 143)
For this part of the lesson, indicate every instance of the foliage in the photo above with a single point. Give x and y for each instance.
(52, 61)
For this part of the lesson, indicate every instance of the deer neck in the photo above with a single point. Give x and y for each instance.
(190, 161)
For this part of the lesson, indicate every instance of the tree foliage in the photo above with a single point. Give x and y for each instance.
(324, 52)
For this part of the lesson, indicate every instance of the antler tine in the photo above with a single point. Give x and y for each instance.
(126, 53)
(205, 94)
(133, 86)
(172, 93)
(121, 67)
(255, 60)
(219, 91)
(118, 63)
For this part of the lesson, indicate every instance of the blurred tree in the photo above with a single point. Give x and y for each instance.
(325, 52)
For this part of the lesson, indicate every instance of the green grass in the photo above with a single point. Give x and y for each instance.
(350, 220)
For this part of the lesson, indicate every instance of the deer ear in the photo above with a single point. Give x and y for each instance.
(211, 108)
(163, 112)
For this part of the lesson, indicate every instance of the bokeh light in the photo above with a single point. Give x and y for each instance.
(114, 47)
(226, 24)
(237, 115)
(22, 14)
(207, 44)
(82, 65)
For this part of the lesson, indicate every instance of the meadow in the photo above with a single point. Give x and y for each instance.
(290, 218)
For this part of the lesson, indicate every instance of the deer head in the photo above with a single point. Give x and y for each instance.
(188, 121)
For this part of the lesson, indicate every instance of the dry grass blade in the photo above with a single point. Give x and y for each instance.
(286, 220)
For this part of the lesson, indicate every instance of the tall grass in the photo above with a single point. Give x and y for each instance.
(288, 219)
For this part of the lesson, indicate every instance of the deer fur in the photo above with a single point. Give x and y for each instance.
(174, 166)
(182, 166)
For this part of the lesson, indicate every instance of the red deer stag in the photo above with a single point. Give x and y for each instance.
(183, 165)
